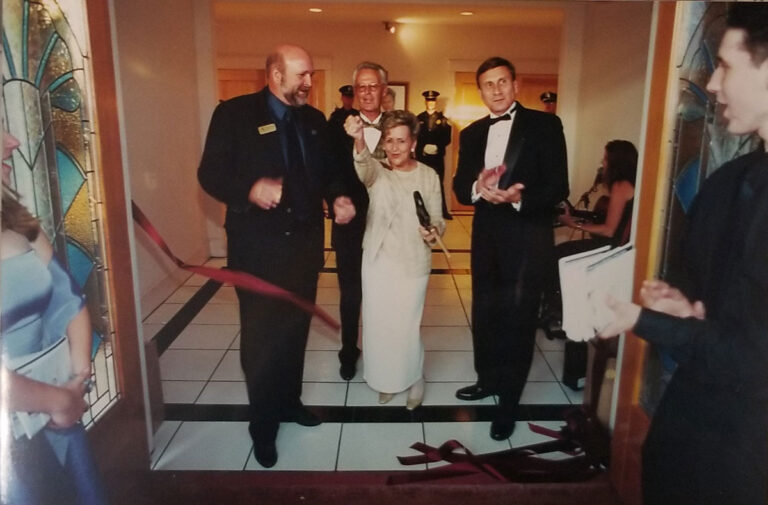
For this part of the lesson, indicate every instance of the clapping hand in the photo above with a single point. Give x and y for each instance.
(659, 296)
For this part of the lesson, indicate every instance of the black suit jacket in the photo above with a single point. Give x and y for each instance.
(535, 156)
(342, 146)
(726, 266)
(242, 146)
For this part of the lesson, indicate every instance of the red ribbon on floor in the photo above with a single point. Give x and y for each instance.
(236, 278)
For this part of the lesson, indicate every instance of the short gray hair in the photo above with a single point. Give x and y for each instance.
(371, 66)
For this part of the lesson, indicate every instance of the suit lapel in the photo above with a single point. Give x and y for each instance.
(514, 146)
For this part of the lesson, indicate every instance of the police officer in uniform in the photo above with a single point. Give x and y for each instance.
(340, 114)
(434, 135)
(549, 99)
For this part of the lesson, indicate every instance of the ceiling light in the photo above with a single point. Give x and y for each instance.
(315, 9)
(389, 26)
(466, 13)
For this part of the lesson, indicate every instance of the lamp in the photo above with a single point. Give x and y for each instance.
(390, 27)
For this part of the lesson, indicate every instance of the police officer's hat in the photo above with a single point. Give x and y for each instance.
(347, 90)
(548, 97)
(430, 95)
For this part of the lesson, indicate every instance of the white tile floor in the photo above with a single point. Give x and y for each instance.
(202, 367)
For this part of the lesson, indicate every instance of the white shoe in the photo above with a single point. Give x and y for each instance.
(385, 397)
(415, 395)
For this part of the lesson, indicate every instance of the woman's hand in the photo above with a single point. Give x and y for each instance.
(354, 127)
(70, 403)
(565, 218)
(428, 234)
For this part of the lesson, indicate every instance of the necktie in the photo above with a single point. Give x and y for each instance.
(503, 117)
(297, 183)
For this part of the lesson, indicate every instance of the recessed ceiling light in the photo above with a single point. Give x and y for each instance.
(467, 13)
(315, 9)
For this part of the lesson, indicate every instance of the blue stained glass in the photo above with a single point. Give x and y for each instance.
(687, 184)
(80, 264)
(65, 93)
(70, 178)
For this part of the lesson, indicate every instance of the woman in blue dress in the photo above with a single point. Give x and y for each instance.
(49, 457)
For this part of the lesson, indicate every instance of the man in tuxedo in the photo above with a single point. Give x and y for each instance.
(433, 137)
(265, 157)
(707, 442)
(513, 169)
(370, 86)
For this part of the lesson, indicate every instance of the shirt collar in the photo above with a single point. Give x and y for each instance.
(509, 111)
(369, 122)
(278, 107)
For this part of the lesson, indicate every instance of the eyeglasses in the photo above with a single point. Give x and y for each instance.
(367, 88)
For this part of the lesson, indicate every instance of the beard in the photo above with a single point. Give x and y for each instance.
(297, 96)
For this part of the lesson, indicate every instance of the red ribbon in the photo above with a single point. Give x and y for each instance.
(236, 278)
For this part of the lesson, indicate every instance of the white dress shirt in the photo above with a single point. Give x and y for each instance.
(371, 134)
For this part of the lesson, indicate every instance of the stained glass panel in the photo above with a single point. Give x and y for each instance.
(46, 106)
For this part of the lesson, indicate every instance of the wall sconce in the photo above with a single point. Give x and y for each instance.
(390, 27)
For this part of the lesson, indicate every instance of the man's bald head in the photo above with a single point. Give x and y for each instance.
(289, 74)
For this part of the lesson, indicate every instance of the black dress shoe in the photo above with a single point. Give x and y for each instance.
(447, 217)
(300, 415)
(265, 453)
(473, 392)
(502, 429)
(348, 371)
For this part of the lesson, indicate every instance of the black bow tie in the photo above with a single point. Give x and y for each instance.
(503, 117)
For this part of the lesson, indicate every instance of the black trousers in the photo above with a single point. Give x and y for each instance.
(273, 334)
(506, 290)
(706, 446)
(348, 244)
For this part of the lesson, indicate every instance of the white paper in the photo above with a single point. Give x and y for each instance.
(52, 366)
(585, 281)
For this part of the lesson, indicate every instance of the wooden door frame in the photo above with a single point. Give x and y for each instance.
(631, 419)
(119, 438)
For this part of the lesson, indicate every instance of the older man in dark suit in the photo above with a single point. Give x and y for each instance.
(265, 157)
(513, 169)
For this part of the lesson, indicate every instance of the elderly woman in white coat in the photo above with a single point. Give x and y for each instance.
(397, 256)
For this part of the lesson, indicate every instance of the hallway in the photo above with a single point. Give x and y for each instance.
(205, 427)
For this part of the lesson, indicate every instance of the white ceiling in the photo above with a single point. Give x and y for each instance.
(446, 12)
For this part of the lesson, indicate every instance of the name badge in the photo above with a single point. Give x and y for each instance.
(267, 128)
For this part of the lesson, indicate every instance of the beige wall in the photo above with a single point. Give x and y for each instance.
(158, 80)
(423, 55)
(611, 91)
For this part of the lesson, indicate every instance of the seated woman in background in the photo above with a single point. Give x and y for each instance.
(41, 304)
(619, 171)
(397, 257)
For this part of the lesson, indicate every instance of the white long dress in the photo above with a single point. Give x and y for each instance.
(396, 266)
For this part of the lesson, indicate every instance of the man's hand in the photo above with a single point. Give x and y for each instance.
(660, 296)
(343, 209)
(512, 194)
(266, 193)
(626, 316)
(353, 125)
(70, 404)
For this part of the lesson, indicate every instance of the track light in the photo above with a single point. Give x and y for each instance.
(390, 27)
